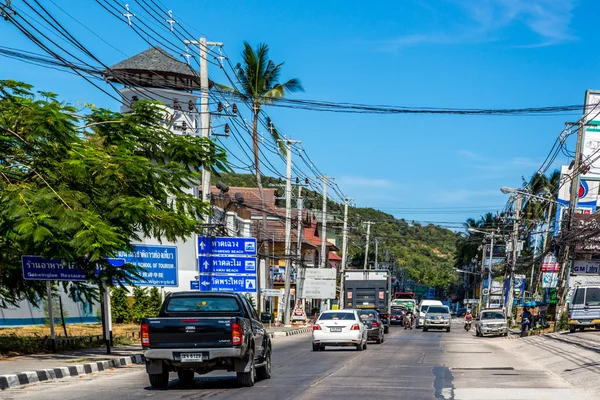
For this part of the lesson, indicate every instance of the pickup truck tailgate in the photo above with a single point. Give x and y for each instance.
(190, 332)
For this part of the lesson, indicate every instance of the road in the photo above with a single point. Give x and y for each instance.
(410, 364)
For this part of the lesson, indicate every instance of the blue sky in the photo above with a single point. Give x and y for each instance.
(438, 53)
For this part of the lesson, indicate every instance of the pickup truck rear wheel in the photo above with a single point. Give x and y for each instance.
(264, 372)
(316, 347)
(247, 378)
(159, 381)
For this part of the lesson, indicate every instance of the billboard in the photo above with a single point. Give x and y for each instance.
(591, 137)
(587, 195)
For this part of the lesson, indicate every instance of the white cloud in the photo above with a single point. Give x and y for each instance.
(365, 182)
(469, 154)
(465, 195)
(484, 20)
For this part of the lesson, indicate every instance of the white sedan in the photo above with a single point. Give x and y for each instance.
(339, 328)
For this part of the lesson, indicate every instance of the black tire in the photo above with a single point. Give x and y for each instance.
(365, 345)
(477, 333)
(425, 329)
(572, 328)
(264, 372)
(159, 381)
(386, 330)
(186, 376)
(247, 379)
(359, 347)
(378, 340)
(316, 347)
(505, 334)
(448, 329)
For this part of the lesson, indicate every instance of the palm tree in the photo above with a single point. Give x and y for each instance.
(259, 86)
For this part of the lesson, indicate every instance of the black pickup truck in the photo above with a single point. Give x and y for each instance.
(200, 332)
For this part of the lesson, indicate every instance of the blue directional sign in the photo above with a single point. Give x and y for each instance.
(227, 265)
(159, 264)
(43, 269)
(227, 246)
(194, 285)
(227, 283)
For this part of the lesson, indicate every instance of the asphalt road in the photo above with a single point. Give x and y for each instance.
(410, 364)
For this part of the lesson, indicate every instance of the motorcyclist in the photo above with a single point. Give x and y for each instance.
(468, 320)
(526, 315)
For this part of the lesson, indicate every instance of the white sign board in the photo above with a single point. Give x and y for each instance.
(319, 273)
(372, 275)
(271, 292)
(319, 289)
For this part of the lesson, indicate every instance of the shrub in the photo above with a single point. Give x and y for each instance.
(119, 303)
(564, 321)
(154, 302)
(140, 304)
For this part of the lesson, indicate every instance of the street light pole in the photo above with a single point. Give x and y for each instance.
(490, 272)
(481, 277)
(513, 261)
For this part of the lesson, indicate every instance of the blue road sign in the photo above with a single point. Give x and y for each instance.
(227, 283)
(194, 285)
(227, 246)
(43, 269)
(159, 264)
(227, 265)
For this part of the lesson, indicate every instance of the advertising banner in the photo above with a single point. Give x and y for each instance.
(583, 267)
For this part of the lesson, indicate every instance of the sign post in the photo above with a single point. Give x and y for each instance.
(51, 316)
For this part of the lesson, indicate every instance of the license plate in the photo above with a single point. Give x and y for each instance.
(191, 357)
(335, 329)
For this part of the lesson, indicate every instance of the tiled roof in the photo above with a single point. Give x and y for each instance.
(334, 257)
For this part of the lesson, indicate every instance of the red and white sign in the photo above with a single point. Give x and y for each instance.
(550, 264)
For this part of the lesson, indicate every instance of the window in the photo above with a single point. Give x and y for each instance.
(371, 315)
(492, 315)
(592, 296)
(578, 297)
(202, 304)
(437, 310)
(336, 316)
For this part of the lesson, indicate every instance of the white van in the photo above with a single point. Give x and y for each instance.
(584, 308)
(422, 310)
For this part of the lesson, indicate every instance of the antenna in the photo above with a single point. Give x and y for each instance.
(128, 14)
(171, 21)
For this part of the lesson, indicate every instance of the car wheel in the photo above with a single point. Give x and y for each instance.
(365, 345)
(505, 334)
(159, 381)
(247, 379)
(386, 330)
(572, 329)
(359, 347)
(425, 329)
(448, 329)
(316, 347)
(186, 376)
(264, 372)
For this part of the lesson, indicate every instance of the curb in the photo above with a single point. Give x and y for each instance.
(290, 332)
(29, 377)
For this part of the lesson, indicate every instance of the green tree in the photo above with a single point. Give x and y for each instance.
(81, 185)
(259, 85)
(140, 308)
(154, 302)
(119, 305)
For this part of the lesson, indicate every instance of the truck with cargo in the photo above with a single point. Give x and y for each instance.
(365, 289)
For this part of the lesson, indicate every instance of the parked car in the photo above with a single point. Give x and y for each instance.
(437, 317)
(200, 332)
(491, 321)
(339, 328)
(397, 315)
(375, 329)
(422, 310)
(584, 308)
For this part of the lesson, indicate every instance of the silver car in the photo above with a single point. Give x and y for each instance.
(437, 317)
(491, 322)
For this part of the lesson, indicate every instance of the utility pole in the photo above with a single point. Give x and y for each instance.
(299, 267)
(344, 252)
(561, 290)
(367, 246)
(482, 275)
(376, 251)
(204, 111)
(323, 262)
(288, 231)
(490, 271)
(544, 243)
(513, 261)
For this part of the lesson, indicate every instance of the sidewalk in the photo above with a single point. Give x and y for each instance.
(575, 357)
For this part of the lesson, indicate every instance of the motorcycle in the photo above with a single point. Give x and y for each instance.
(467, 325)
(408, 321)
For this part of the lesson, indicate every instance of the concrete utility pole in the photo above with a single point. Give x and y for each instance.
(561, 290)
(544, 243)
(344, 252)
(487, 302)
(299, 267)
(204, 111)
(482, 275)
(376, 251)
(323, 262)
(288, 230)
(367, 246)
(513, 261)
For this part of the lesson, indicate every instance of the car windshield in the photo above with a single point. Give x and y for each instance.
(371, 315)
(329, 316)
(202, 304)
(396, 312)
(437, 310)
(492, 315)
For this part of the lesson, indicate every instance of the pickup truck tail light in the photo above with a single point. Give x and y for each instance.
(316, 327)
(355, 327)
(375, 324)
(145, 335)
(236, 334)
